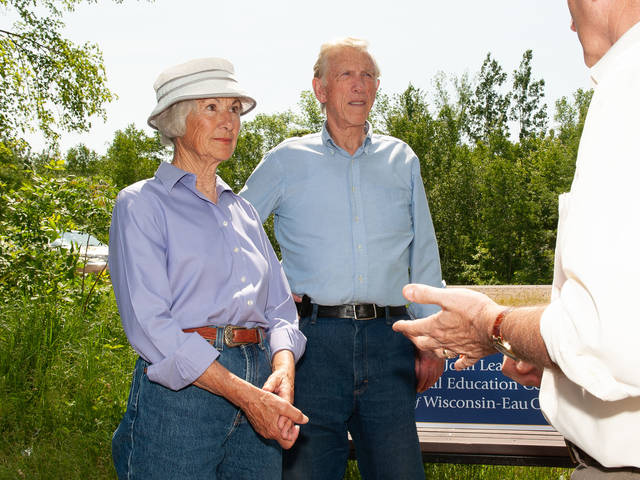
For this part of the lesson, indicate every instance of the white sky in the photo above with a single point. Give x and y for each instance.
(273, 45)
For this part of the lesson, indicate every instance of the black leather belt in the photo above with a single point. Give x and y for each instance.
(361, 311)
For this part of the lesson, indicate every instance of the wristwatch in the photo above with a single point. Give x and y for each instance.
(499, 343)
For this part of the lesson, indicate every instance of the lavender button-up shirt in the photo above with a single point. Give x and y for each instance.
(179, 261)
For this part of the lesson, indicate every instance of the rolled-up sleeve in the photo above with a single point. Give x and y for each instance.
(137, 262)
(586, 354)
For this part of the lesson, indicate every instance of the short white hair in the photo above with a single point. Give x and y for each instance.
(172, 123)
(328, 49)
(320, 67)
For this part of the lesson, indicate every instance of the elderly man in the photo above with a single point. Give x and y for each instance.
(586, 339)
(353, 224)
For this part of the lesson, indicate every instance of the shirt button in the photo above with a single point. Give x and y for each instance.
(359, 247)
(236, 250)
(357, 219)
(244, 279)
(250, 302)
(225, 223)
(353, 189)
(360, 278)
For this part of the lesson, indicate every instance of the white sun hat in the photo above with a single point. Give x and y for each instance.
(200, 78)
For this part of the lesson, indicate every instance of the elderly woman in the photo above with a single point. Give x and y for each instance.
(203, 301)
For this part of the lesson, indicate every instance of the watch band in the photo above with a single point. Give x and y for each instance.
(499, 343)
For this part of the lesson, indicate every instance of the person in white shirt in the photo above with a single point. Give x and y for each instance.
(581, 348)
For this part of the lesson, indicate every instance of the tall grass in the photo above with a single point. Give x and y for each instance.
(64, 377)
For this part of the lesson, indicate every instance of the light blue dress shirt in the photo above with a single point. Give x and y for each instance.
(351, 228)
(178, 260)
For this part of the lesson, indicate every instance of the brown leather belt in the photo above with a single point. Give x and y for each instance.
(232, 336)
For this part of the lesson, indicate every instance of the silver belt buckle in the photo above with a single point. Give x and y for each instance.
(228, 336)
(355, 313)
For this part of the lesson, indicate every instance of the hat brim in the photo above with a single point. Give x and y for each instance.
(222, 88)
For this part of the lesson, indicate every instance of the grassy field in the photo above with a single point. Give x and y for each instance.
(64, 376)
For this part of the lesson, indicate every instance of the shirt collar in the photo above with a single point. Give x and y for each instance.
(221, 186)
(618, 50)
(328, 142)
(169, 175)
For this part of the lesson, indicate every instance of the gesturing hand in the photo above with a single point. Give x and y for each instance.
(461, 327)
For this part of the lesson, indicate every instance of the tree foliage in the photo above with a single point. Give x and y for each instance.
(34, 215)
(488, 106)
(528, 109)
(47, 82)
(81, 160)
(493, 200)
(133, 155)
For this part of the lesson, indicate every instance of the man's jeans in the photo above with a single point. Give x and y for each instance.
(193, 434)
(355, 375)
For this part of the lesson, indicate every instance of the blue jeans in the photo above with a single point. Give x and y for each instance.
(356, 376)
(193, 434)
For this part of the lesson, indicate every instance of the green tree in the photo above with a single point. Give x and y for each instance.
(34, 215)
(528, 108)
(570, 116)
(81, 160)
(14, 162)
(312, 117)
(409, 119)
(488, 107)
(46, 81)
(132, 156)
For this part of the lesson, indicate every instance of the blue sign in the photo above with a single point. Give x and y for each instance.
(480, 394)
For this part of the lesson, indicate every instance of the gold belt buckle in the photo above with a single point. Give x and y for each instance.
(228, 336)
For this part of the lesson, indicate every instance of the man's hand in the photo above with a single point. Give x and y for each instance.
(522, 372)
(460, 328)
(429, 367)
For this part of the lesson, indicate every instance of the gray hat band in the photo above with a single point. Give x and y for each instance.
(182, 82)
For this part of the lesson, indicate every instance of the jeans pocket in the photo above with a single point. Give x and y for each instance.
(139, 376)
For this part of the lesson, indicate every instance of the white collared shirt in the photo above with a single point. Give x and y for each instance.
(592, 326)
